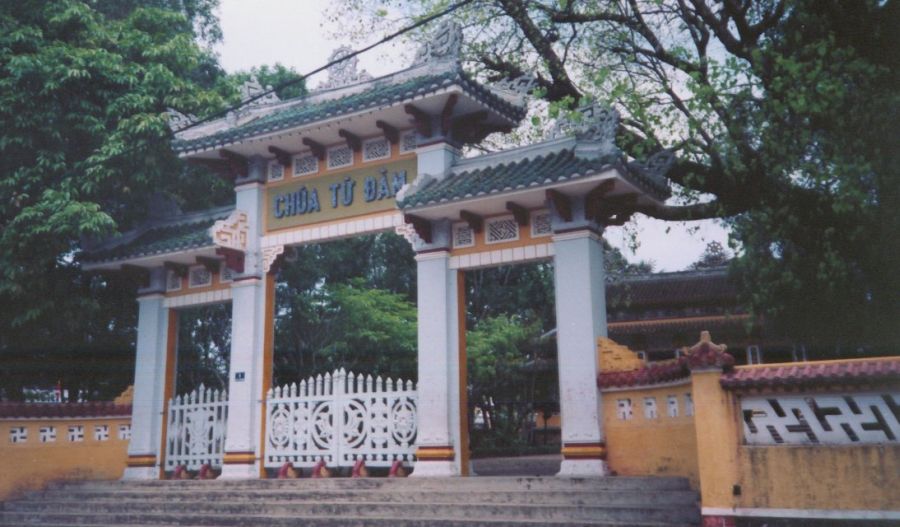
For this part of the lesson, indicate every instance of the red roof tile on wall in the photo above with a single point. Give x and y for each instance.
(650, 374)
(57, 410)
(853, 372)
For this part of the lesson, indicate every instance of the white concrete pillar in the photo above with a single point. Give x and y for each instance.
(245, 379)
(439, 444)
(246, 370)
(149, 382)
(580, 320)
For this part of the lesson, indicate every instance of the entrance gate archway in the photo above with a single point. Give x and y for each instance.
(363, 155)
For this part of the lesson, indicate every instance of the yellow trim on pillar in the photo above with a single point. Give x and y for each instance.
(148, 460)
(169, 386)
(438, 453)
(239, 458)
(463, 375)
(591, 451)
(268, 358)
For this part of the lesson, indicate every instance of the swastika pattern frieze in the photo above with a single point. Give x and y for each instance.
(862, 418)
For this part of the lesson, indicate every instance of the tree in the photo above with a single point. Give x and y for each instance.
(84, 88)
(509, 370)
(782, 114)
(350, 326)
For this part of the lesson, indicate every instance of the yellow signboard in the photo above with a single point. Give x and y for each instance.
(337, 196)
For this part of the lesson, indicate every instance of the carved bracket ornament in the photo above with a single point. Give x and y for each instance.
(232, 232)
(409, 232)
(270, 255)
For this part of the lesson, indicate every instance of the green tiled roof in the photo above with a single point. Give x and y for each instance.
(170, 237)
(378, 95)
(561, 165)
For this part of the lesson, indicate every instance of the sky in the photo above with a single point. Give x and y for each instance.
(295, 33)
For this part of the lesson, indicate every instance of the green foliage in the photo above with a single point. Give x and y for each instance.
(84, 88)
(347, 304)
(272, 77)
(351, 326)
(502, 352)
(204, 348)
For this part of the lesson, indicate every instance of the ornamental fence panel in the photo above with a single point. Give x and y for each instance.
(195, 434)
(827, 419)
(341, 418)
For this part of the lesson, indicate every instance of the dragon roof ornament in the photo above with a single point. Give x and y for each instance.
(594, 127)
(444, 45)
(345, 72)
(179, 121)
(248, 90)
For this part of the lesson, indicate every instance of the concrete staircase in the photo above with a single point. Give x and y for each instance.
(406, 502)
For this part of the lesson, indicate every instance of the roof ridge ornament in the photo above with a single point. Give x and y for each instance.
(248, 90)
(594, 127)
(252, 88)
(345, 72)
(444, 45)
(656, 166)
(515, 89)
(178, 121)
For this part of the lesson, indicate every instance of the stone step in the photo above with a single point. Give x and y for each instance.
(15, 519)
(473, 484)
(377, 509)
(408, 495)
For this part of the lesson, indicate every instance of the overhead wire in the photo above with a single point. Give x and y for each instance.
(337, 60)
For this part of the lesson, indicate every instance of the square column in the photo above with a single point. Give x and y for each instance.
(246, 376)
(150, 380)
(580, 321)
(439, 444)
(248, 370)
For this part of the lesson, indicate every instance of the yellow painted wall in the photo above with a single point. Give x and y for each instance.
(863, 477)
(824, 477)
(665, 446)
(33, 464)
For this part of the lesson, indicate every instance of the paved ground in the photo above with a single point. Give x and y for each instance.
(543, 465)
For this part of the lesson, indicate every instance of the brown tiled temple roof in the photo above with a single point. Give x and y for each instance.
(712, 323)
(707, 286)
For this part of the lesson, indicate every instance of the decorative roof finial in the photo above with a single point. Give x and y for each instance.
(345, 72)
(594, 126)
(708, 355)
(252, 88)
(444, 45)
(178, 120)
(516, 88)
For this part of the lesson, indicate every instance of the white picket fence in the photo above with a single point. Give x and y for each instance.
(195, 434)
(340, 418)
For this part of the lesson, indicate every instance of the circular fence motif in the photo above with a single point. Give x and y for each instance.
(323, 429)
(280, 428)
(379, 422)
(403, 421)
(354, 426)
